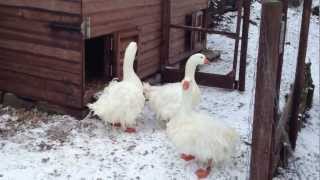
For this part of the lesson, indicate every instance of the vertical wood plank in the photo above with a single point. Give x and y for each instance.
(265, 108)
(299, 77)
(238, 28)
(282, 41)
(166, 18)
(244, 44)
(121, 41)
(205, 25)
(83, 59)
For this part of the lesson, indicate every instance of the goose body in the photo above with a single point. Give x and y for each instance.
(198, 134)
(121, 102)
(203, 137)
(165, 100)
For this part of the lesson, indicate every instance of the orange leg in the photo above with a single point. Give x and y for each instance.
(187, 157)
(203, 173)
(130, 130)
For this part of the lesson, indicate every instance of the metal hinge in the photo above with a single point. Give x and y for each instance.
(85, 28)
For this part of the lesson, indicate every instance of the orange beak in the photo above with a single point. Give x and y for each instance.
(185, 85)
(206, 61)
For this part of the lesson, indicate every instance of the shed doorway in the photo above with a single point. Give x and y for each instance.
(99, 55)
(104, 60)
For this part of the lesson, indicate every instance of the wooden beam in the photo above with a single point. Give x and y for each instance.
(265, 106)
(166, 18)
(282, 41)
(299, 77)
(171, 75)
(238, 28)
(244, 44)
(282, 142)
(184, 56)
(206, 30)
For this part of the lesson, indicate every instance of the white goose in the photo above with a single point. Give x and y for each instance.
(165, 100)
(121, 102)
(197, 135)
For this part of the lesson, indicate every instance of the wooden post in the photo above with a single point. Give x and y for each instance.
(1, 97)
(265, 107)
(282, 41)
(244, 44)
(236, 44)
(299, 77)
(166, 19)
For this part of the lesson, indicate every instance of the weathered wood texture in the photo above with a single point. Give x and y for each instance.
(281, 142)
(171, 75)
(281, 133)
(122, 40)
(299, 77)
(40, 51)
(266, 99)
(244, 44)
(60, 6)
(239, 5)
(115, 15)
(42, 46)
(179, 11)
(282, 40)
(283, 147)
(166, 18)
(204, 30)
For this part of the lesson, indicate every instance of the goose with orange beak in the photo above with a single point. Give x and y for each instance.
(165, 100)
(197, 135)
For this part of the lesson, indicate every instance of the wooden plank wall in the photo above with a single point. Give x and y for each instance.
(179, 11)
(108, 16)
(36, 60)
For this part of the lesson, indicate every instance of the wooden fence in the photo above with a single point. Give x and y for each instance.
(274, 134)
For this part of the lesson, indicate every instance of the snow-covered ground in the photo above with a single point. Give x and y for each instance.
(35, 145)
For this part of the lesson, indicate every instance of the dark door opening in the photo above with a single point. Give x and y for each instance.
(98, 61)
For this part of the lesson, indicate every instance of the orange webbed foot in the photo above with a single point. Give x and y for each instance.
(187, 157)
(202, 173)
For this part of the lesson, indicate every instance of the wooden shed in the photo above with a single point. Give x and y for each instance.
(52, 50)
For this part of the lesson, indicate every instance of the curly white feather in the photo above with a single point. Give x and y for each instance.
(166, 100)
(121, 102)
(200, 135)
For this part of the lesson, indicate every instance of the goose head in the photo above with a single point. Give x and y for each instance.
(198, 59)
(193, 62)
(130, 53)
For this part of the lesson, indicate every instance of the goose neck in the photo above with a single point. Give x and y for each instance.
(128, 71)
(190, 71)
(186, 105)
